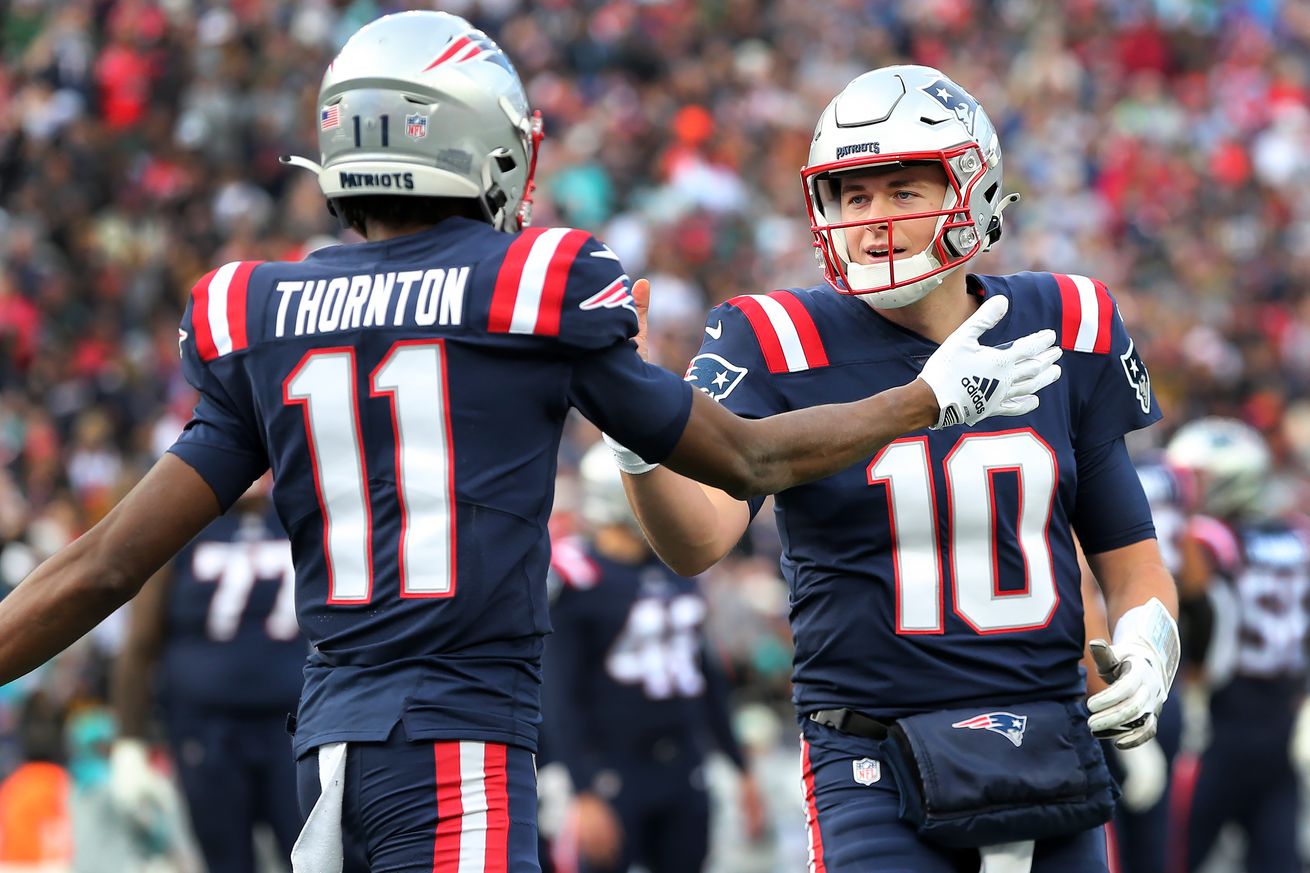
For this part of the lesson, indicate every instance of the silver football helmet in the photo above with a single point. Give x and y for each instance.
(886, 118)
(1230, 461)
(423, 104)
(604, 502)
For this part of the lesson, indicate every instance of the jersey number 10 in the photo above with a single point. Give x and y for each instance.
(904, 469)
(412, 374)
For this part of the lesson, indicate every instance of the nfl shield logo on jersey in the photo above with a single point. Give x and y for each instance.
(416, 126)
(867, 771)
(1007, 724)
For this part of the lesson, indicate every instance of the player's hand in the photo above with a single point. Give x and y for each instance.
(1146, 774)
(753, 816)
(641, 300)
(135, 786)
(600, 834)
(1126, 712)
(973, 381)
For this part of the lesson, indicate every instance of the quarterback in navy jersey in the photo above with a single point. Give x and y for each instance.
(1256, 564)
(938, 575)
(633, 696)
(409, 394)
(217, 631)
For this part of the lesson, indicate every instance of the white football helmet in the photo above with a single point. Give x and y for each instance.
(886, 118)
(1230, 461)
(604, 502)
(423, 104)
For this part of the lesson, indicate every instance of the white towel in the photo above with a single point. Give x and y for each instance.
(1007, 857)
(318, 848)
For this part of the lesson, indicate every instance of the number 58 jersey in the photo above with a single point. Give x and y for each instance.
(409, 395)
(942, 571)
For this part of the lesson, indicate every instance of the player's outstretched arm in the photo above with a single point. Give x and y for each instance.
(962, 383)
(73, 590)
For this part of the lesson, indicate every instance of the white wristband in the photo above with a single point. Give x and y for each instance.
(1152, 626)
(629, 461)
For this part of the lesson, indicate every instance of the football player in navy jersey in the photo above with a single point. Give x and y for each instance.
(935, 583)
(1257, 564)
(633, 697)
(217, 632)
(409, 394)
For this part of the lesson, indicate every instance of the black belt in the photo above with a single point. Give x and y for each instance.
(848, 721)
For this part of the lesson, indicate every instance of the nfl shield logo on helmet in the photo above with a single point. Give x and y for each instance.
(1007, 724)
(867, 771)
(416, 126)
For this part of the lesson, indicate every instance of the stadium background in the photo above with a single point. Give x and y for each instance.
(1163, 147)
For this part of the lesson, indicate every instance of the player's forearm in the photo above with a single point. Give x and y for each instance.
(689, 530)
(56, 605)
(1139, 587)
(797, 447)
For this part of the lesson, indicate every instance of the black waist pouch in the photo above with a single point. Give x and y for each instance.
(977, 777)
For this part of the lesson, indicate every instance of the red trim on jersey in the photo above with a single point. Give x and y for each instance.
(812, 813)
(200, 317)
(450, 807)
(557, 279)
(496, 784)
(1071, 307)
(450, 51)
(236, 304)
(507, 280)
(1018, 529)
(811, 343)
(1112, 848)
(765, 335)
(1104, 318)
(886, 481)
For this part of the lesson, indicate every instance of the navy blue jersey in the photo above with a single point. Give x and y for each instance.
(628, 666)
(1262, 590)
(231, 640)
(409, 395)
(943, 570)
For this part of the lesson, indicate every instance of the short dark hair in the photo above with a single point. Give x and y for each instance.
(396, 211)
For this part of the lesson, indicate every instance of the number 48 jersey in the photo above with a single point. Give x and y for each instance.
(409, 395)
(943, 571)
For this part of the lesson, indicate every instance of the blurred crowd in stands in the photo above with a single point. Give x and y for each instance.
(1162, 146)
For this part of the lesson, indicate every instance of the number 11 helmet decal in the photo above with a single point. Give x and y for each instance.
(422, 104)
(891, 117)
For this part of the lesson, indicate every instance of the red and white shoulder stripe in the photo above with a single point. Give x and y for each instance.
(571, 564)
(529, 295)
(1087, 313)
(218, 310)
(785, 331)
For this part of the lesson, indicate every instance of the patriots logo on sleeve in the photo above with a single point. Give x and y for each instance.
(1007, 724)
(612, 295)
(1138, 379)
(714, 375)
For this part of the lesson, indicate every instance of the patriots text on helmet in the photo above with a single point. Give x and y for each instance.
(405, 298)
(403, 181)
(859, 148)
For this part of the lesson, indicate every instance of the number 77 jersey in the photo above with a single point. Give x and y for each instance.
(942, 571)
(410, 395)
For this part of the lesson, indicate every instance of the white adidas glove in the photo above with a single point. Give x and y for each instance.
(973, 381)
(1140, 667)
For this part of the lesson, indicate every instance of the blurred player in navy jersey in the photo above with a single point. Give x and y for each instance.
(633, 697)
(409, 394)
(217, 633)
(1257, 563)
(935, 584)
